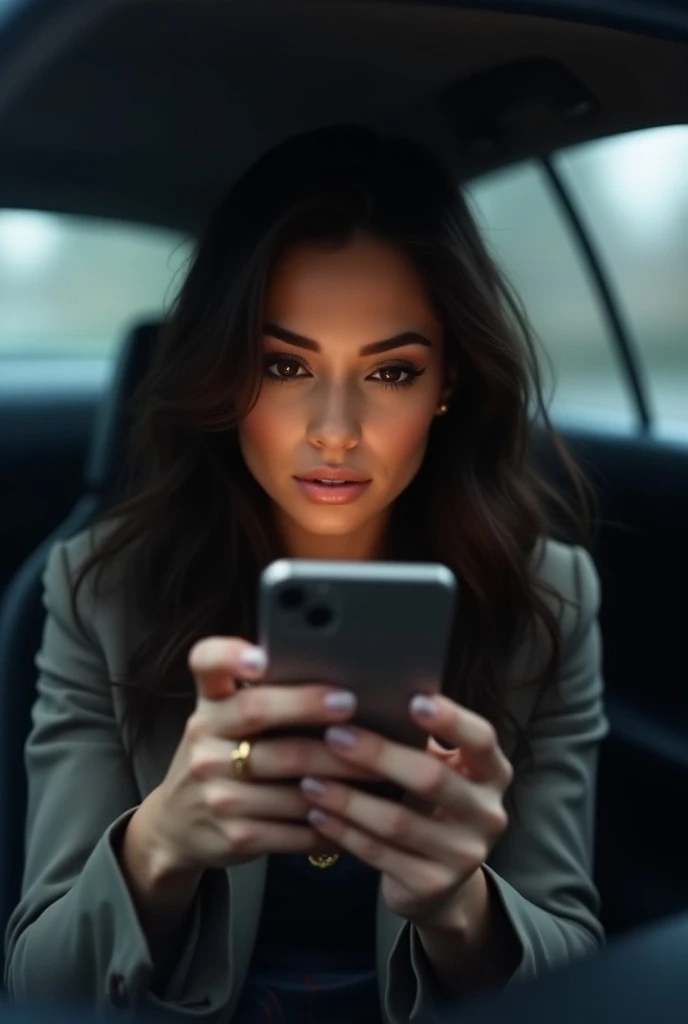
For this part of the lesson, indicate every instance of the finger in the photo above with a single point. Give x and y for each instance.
(288, 758)
(249, 837)
(217, 662)
(474, 735)
(295, 758)
(416, 771)
(450, 843)
(436, 748)
(418, 874)
(263, 708)
(452, 758)
(226, 798)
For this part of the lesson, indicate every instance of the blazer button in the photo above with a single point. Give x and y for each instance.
(117, 991)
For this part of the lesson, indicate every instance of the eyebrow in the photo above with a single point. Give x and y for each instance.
(373, 349)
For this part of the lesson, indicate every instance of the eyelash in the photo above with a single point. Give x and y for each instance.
(413, 372)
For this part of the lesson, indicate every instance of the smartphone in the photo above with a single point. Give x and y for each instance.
(380, 629)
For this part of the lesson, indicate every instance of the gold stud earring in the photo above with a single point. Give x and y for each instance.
(442, 409)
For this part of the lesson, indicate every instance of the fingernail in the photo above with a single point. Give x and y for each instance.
(339, 737)
(317, 818)
(253, 660)
(424, 706)
(313, 786)
(341, 700)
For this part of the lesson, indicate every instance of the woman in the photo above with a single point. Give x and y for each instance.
(341, 318)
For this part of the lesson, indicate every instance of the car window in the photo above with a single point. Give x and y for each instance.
(533, 243)
(632, 193)
(70, 286)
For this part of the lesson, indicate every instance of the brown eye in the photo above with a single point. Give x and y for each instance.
(397, 375)
(285, 369)
(393, 374)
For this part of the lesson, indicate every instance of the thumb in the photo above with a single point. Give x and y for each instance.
(219, 663)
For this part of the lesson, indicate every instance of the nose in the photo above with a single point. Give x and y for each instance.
(334, 422)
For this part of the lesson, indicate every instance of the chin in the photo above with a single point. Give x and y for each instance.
(330, 525)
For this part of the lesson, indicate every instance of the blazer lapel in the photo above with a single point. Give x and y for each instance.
(388, 929)
(246, 888)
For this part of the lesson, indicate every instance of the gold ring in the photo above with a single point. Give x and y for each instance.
(240, 757)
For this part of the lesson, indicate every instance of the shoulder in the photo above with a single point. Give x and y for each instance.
(68, 560)
(70, 557)
(568, 579)
(104, 601)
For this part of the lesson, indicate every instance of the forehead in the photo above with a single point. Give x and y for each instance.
(366, 287)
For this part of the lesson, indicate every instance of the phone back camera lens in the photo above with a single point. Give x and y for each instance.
(291, 597)
(318, 616)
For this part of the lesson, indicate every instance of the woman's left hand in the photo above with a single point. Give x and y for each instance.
(425, 859)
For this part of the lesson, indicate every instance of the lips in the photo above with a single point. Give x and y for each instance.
(330, 475)
(329, 486)
(328, 483)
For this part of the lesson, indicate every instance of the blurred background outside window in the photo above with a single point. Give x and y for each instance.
(522, 223)
(633, 194)
(70, 287)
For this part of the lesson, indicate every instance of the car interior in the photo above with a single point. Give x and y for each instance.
(145, 112)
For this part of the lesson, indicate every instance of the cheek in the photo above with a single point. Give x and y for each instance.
(401, 444)
(262, 434)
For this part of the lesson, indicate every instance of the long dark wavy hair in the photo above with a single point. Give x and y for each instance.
(194, 529)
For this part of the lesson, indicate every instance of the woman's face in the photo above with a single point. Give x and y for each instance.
(353, 375)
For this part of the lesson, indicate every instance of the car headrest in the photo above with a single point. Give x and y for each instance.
(109, 440)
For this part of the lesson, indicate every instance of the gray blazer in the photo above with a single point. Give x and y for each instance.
(75, 935)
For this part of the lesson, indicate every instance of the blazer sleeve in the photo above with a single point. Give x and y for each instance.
(75, 936)
(541, 869)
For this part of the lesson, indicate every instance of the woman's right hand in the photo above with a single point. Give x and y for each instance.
(206, 817)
